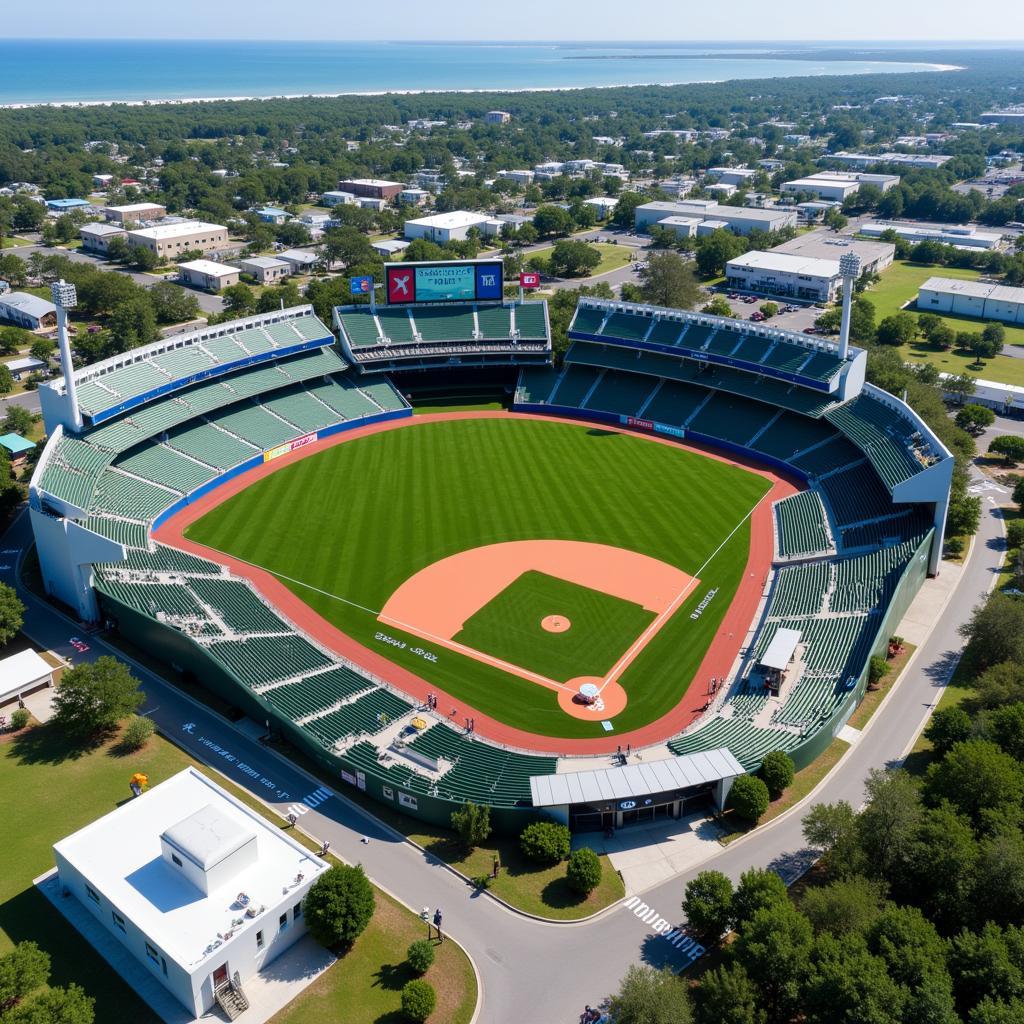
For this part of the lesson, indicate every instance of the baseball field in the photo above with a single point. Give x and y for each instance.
(509, 561)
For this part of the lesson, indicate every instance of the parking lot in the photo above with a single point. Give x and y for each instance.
(744, 305)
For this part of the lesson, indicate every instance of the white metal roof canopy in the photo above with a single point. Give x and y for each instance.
(781, 649)
(634, 780)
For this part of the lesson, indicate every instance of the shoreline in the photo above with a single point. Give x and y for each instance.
(922, 68)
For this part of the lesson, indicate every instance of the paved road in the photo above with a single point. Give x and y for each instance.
(533, 971)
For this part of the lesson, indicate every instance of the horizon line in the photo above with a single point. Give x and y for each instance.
(617, 42)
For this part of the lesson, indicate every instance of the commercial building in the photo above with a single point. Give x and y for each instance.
(451, 227)
(64, 205)
(777, 273)
(524, 177)
(207, 274)
(266, 269)
(298, 259)
(925, 161)
(97, 237)
(25, 672)
(22, 367)
(838, 186)
(198, 889)
(730, 175)
(681, 227)
(28, 311)
(133, 213)
(390, 248)
(338, 198)
(1008, 115)
(497, 117)
(413, 196)
(603, 206)
(371, 188)
(170, 240)
(272, 215)
(963, 236)
(824, 245)
(371, 203)
(971, 298)
(738, 219)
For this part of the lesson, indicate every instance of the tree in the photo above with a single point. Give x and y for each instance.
(999, 880)
(995, 335)
(571, 258)
(716, 250)
(862, 320)
(282, 296)
(847, 983)
(551, 221)
(420, 955)
(708, 905)
(769, 309)
(42, 349)
(832, 829)
(995, 633)
(909, 944)
(1015, 534)
(239, 298)
(668, 280)
(974, 418)
(727, 996)
(18, 420)
(339, 905)
(898, 329)
(649, 996)
(759, 888)
(546, 842)
(948, 726)
(12, 339)
(846, 905)
(777, 770)
(960, 386)
(142, 259)
(6, 380)
(172, 303)
(94, 696)
(887, 825)
(24, 969)
(418, 1000)
(979, 779)
(983, 966)
(718, 306)
(749, 797)
(583, 872)
(472, 824)
(1002, 683)
(625, 210)
(55, 1006)
(1010, 446)
(1018, 492)
(943, 337)
(133, 322)
(12, 612)
(964, 516)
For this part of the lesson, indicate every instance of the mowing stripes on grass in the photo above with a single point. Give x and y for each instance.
(355, 521)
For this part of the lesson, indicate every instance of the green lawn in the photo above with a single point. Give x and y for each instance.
(601, 627)
(899, 285)
(50, 792)
(612, 256)
(357, 520)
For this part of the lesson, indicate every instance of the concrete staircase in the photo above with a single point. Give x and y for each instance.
(231, 999)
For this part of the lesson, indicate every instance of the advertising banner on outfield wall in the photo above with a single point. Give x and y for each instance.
(283, 449)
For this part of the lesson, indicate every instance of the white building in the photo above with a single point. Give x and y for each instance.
(299, 260)
(681, 227)
(170, 240)
(451, 227)
(838, 186)
(524, 177)
(338, 198)
(266, 269)
(776, 273)
(926, 161)
(196, 886)
(413, 196)
(603, 206)
(497, 117)
(737, 176)
(971, 298)
(738, 219)
(390, 248)
(96, 237)
(22, 674)
(825, 245)
(963, 236)
(27, 310)
(207, 275)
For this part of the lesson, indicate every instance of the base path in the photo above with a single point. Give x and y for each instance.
(718, 659)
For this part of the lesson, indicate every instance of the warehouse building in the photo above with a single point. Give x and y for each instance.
(963, 236)
(681, 227)
(371, 188)
(57, 206)
(1008, 115)
(971, 298)
(824, 245)
(838, 186)
(170, 240)
(199, 893)
(738, 219)
(923, 161)
(451, 227)
(97, 237)
(133, 213)
(266, 269)
(207, 275)
(737, 176)
(786, 275)
(338, 198)
(26, 310)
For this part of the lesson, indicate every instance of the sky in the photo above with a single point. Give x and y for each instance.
(611, 20)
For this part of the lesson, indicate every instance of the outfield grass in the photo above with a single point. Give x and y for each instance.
(357, 520)
(601, 627)
(899, 285)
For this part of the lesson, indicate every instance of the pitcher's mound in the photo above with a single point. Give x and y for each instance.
(555, 623)
(610, 701)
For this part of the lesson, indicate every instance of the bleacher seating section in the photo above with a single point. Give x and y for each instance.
(802, 526)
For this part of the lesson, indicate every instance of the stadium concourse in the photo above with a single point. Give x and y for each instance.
(143, 436)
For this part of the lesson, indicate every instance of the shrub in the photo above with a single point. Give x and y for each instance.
(583, 872)
(19, 718)
(545, 842)
(878, 669)
(418, 1000)
(708, 904)
(749, 797)
(339, 905)
(955, 546)
(420, 955)
(777, 770)
(472, 822)
(1015, 534)
(137, 733)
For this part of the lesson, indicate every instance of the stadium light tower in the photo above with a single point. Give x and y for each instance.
(849, 267)
(64, 298)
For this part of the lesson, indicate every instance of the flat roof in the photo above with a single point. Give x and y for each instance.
(299, 255)
(21, 670)
(134, 207)
(208, 267)
(974, 289)
(265, 262)
(786, 263)
(377, 182)
(689, 221)
(101, 229)
(207, 836)
(830, 246)
(781, 649)
(634, 780)
(816, 180)
(120, 856)
(452, 219)
(185, 227)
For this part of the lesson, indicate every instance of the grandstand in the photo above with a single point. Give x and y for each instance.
(425, 336)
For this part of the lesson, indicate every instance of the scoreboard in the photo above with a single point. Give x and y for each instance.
(448, 281)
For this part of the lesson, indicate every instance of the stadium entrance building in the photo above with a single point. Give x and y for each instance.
(637, 793)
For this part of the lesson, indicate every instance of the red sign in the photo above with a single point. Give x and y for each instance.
(401, 284)
(529, 280)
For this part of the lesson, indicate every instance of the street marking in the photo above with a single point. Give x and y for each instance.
(672, 934)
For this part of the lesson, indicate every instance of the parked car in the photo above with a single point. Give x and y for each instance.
(810, 330)
(757, 316)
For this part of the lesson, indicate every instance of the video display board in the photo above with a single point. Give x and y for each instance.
(459, 281)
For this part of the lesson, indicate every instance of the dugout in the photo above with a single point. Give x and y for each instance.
(637, 793)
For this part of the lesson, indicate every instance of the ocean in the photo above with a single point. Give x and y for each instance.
(89, 71)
